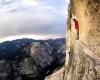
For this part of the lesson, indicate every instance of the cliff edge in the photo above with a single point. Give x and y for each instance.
(83, 55)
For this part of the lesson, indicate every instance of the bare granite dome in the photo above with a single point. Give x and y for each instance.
(36, 62)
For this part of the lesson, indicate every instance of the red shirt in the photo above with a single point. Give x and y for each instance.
(76, 25)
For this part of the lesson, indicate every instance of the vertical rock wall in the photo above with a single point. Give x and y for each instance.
(84, 56)
(88, 16)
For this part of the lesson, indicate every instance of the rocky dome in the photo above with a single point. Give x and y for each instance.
(37, 61)
(42, 54)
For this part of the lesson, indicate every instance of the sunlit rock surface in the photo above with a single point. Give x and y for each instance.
(57, 75)
(84, 53)
(37, 61)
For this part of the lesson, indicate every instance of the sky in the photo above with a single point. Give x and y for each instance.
(41, 18)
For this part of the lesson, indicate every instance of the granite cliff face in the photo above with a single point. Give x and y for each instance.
(38, 61)
(83, 55)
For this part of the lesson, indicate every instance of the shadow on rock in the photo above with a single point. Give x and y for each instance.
(38, 61)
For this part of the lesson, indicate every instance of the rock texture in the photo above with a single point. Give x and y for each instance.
(83, 57)
(87, 12)
(37, 61)
(82, 65)
(57, 75)
(5, 70)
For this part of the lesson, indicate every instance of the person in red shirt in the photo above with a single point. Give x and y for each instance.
(76, 27)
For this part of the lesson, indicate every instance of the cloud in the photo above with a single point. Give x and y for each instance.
(6, 2)
(42, 17)
(28, 23)
(30, 2)
(36, 37)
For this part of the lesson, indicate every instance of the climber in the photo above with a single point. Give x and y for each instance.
(76, 28)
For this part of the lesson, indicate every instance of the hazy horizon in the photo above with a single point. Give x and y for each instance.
(46, 18)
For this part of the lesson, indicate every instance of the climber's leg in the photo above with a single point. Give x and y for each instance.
(77, 33)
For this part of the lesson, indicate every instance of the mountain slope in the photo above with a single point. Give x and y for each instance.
(35, 62)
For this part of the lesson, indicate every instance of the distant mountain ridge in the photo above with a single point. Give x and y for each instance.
(31, 61)
(10, 49)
